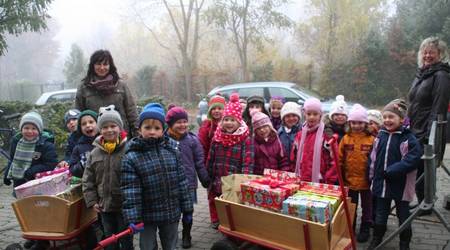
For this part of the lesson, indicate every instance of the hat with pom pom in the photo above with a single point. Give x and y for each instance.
(375, 116)
(339, 106)
(233, 108)
(358, 114)
(260, 119)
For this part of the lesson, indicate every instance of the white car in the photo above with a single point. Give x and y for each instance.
(57, 96)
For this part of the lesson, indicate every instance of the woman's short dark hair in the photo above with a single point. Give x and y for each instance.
(100, 56)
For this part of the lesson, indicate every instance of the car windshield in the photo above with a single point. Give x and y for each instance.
(311, 93)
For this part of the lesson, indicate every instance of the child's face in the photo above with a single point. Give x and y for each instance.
(254, 106)
(88, 126)
(275, 109)
(180, 126)
(391, 121)
(29, 132)
(373, 127)
(339, 119)
(217, 112)
(358, 126)
(110, 132)
(151, 128)
(263, 132)
(72, 125)
(312, 117)
(230, 124)
(290, 120)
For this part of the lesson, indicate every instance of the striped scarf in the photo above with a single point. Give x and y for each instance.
(22, 158)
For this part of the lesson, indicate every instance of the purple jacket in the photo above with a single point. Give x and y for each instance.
(270, 155)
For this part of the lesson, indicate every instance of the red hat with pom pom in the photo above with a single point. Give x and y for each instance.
(233, 108)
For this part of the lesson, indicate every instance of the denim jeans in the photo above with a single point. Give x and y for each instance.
(384, 209)
(112, 224)
(168, 235)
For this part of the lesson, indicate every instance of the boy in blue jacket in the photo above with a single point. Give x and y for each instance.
(392, 168)
(153, 182)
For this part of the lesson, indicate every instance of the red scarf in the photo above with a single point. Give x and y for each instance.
(231, 139)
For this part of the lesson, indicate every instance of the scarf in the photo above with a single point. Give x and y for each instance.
(22, 158)
(110, 147)
(315, 176)
(231, 139)
(105, 86)
(174, 135)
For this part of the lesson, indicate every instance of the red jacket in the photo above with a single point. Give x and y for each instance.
(269, 154)
(205, 135)
(327, 167)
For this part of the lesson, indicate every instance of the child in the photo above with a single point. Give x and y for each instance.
(354, 150)
(269, 152)
(253, 103)
(192, 159)
(101, 178)
(290, 117)
(375, 121)
(393, 166)
(153, 183)
(243, 103)
(336, 121)
(32, 152)
(276, 103)
(311, 152)
(70, 122)
(231, 152)
(87, 128)
(209, 126)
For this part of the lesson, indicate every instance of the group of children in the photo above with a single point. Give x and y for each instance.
(152, 178)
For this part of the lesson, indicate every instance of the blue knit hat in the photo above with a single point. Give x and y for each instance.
(152, 111)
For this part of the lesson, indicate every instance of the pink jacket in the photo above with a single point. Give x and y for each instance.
(269, 154)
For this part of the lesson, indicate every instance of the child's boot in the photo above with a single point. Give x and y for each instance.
(405, 238)
(186, 240)
(378, 233)
(364, 232)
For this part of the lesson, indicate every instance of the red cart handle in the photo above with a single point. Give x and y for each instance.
(115, 237)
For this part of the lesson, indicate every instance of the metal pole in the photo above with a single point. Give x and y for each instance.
(429, 174)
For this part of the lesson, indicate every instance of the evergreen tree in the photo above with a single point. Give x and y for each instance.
(75, 67)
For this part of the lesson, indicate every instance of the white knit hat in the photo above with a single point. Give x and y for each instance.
(291, 108)
(375, 115)
(339, 106)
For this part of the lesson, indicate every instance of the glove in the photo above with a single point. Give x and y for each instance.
(6, 181)
(206, 183)
(187, 218)
(135, 229)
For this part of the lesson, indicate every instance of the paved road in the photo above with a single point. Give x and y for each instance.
(427, 235)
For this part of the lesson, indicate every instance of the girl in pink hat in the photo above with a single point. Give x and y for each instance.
(311, 153)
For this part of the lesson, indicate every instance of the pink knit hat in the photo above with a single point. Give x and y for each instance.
(260, 119)
(233, 108)
(174, 114)
(312, 104)
(358, 114)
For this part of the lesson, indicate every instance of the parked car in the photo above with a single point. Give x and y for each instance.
(57, 96)
(290, 91)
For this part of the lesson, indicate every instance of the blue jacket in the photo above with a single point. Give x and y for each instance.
(80, 154)
(153, 183)
(287, 139)
(71, 143)
(393, 164)
(44, 157)
(192, 158)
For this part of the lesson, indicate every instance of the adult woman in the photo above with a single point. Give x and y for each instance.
(102, 87)
(429, 93)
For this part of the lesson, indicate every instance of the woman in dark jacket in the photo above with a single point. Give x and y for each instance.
(102, 87)
(429, 94)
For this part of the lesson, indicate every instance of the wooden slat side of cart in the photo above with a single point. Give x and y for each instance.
(279, 231)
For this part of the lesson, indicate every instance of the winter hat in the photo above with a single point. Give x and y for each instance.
(255, 98)
(109, 114)
(260, 119)
(152, 111)
(291, 108)
(358, 114)
(85, 113)
(174, 114)
(397, 106)
(312, 104)
(339, 106)
(233, 108)
(71, 114)
(33, 118)
(215, 101)
(279, 99)
(375, 115)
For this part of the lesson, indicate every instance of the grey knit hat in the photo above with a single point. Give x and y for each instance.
(109, 114)
(33, 118)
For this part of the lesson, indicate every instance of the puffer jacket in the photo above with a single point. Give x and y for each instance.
(354, 150)
(80, 154)
(153, 182)
(393, 164)
(287, 138)
(101, 178)
(428, 97)
(269, 154)
(123, 100)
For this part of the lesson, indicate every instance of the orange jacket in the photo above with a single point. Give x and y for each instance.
(354, 150)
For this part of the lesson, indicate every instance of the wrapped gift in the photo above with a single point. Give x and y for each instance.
(321, 188)
(267, 193)
(280, 175)
(307, 209)
(52, 172)
(334, 201)
(47, 185)
(231, 185)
